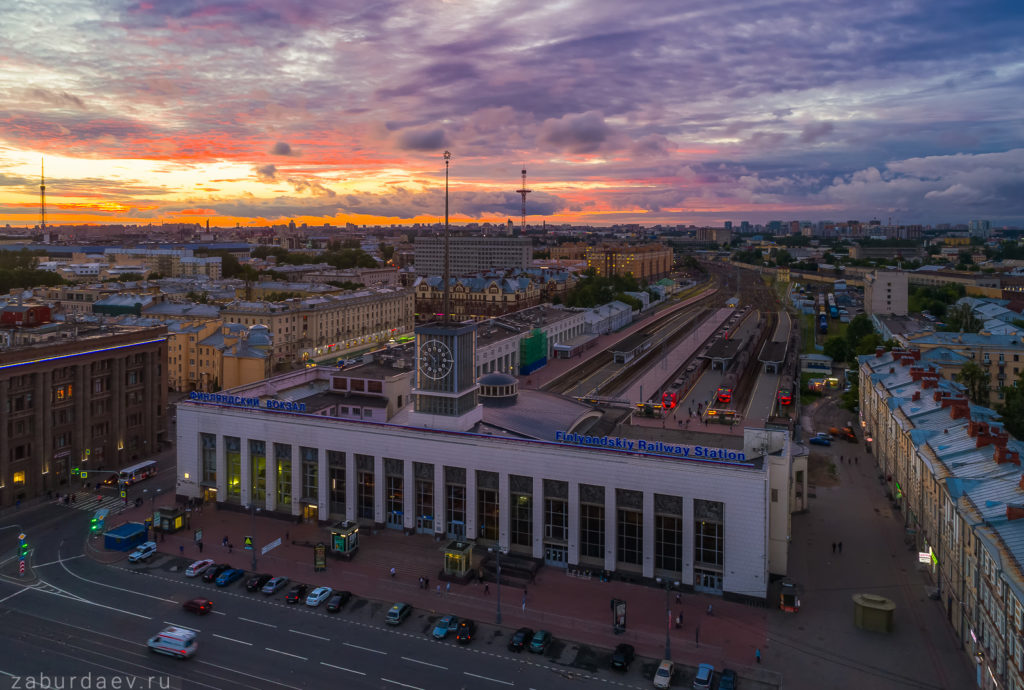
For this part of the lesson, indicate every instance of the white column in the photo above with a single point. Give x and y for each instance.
(323, 483)
(440, 527)
(378, 489)
(408, 496)
(538, 516)
(611, 526)
(296, 481)
(688, 528)
(573, 557)
(470, 503)
(271, 464)
(351, 483)
(222, 470)
(504, 511)
(647, 520)
(245, 475)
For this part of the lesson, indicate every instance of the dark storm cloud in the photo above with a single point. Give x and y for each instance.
(583, 133)
(423, 140)
(282, 148)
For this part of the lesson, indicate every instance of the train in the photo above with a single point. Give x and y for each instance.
(822, 323)
(723, 396)
(669, 400)
(785, 394)
(833, 309)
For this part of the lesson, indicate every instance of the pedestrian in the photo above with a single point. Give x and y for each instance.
(287, 536)
(487, 588)
(421, 582)
(833, 547)
(200, 545)
(679, 598)
(439, 590)
(74, 499)
(181, 549)
(679, 621)
(447, 588)
(856, 460)
(757, 654)
(426, 583)
(231, 547)
(840, 547)
(392, 572)
(840, 459)
(224, 541)
(524, 604)
(709, 610)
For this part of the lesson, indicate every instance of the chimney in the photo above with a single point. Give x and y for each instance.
(915, 372)
(939, 395)
(892, 370)
(1021, 483)
(916, 396)
(960, 409)
(879, 351)
(1014, 512)
(1003, 455)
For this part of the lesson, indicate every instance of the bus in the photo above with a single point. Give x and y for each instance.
(99, 520)
(136, 473)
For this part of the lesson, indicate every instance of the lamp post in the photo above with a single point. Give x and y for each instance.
(252, 514)
(496, 550)
(668, 615)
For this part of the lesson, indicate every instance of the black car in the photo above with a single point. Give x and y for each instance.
(623, 656)
(297, 593)
(520, 639)
(256, 582)
(465, 631)
(337, 600)
(211, 573)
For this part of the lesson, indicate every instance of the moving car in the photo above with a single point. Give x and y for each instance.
(173, 641)
(228, 576)
(705, 674)
(198, 567)
(337, 600)
(727, 681)
(663, 676)
(297, 592)
(200, 606)
(623, 656)
(397, 613)
(520, 638)
(465, 632)
(143, 552)
(256, 582)
(211, 573)
(820, 440)
(540, 641)
(275, 584)
(444, 626)
(318, 596)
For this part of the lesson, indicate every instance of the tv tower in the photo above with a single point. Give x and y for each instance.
(523, 192)
(42, 197)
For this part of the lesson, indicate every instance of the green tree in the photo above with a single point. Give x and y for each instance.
(869, 343)
(860, 326)
(837, 348)
(1012, 408)
(976, 378)
(961, 318)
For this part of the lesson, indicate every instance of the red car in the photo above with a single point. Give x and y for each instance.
(200, 606)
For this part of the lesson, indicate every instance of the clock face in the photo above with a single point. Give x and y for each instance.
(436, 359)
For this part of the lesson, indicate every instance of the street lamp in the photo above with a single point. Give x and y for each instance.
(496, 550)
(252, 513)
(668, 614)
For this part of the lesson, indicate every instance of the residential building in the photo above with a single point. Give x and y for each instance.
(208, 355)
(647, 262)
(472, 254)
(1002, 356)
(885, 292)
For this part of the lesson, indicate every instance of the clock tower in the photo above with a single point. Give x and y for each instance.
(446, 387)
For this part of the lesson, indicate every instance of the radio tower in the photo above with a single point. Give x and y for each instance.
(42, 198)
(523, 192)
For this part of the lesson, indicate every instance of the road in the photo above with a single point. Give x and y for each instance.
(77, 616)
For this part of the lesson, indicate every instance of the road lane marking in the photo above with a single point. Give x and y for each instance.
(243, 673)
(250, 620)
(342, 668)
(425, 663)
(74, 597)
(299, 632)
(493, 680)
(231, 639)
(365, 649)
(11, 596)
(179, 625)
(395, 682)
(69, 558)
(62, 560)
(296, 656)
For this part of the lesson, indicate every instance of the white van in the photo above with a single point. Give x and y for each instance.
(172, 641)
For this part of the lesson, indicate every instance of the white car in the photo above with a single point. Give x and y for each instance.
(198, 567)
(319, 596)
(142, 552)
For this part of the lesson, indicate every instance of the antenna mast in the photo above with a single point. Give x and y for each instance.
(42, 195)
(447, 262)
(523, 191)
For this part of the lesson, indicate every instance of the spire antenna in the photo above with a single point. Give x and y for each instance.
(42, 195)
(523, 191)
(447, 255)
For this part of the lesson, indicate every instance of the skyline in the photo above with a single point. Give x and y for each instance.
(258, 113)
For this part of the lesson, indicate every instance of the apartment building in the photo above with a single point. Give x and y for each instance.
(211, 355)
(475, 297)
(472, 254)
(955, 475)
(1001, 355)
(885, 292)
(647, 262)
(91, 398)
(304, 328)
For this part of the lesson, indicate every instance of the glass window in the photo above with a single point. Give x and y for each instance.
(208, 444)
(708, 543)
(258, 470)
(487, 507)
(395, 497)
(310, 472)
(556, 519)
(283, 461)
(522, 520)
(336, 490)
(668, 542)
(591, 530)
(455, 505)
(425, 499)
(365, 498)
(233, 456)
(631, 537)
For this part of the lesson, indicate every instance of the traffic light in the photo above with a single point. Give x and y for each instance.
(24, 549)
(95, 525)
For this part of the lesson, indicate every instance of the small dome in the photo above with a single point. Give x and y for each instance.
(496, 378)
(498, 390)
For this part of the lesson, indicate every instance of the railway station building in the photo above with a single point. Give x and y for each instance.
(430, 448)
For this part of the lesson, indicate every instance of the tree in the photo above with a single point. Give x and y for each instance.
(976, 378)
(837, 348)
(869, 343)
(962, 318)
(860, 326)
(1012, 408)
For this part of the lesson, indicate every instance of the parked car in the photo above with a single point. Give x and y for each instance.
(820, 440)
(397, 613)
(727, 681)
(445, 625)
(663, 676)
(198, 567)
(705, 675)
(275, 584)
(256, 581)
(228, 576)
(337, 600)
(200, 606)
(143, 552)
(520, 639)
(297, 592)
(318, 596)
(540, 641)
(467, 629)
(623, 656)
(211, 573)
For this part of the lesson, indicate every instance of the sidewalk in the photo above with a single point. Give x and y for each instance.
(571, 608)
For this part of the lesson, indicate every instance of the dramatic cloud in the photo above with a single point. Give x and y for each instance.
(282, 148)
(583, 133)
(267, 173)
(423, 140)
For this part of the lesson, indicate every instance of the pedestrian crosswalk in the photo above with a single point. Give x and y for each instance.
(86, 500)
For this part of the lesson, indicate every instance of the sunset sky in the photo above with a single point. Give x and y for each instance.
(675, 111)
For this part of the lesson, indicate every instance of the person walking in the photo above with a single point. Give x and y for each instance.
(447, 588)
(426, 583)
(181, 549)
(439, 590)
(840, 547)
(392, 572)
(524, 604)
(487, 588)
(833, 547)
(200, 545)
(421, 582)
(757, 654)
